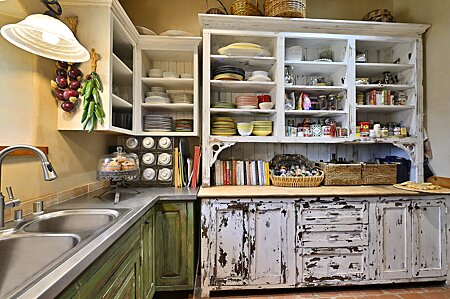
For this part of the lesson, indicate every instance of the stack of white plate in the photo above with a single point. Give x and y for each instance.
(170, 75)
(182, 97)
(158, 123)
(294, 53)
(156, 97)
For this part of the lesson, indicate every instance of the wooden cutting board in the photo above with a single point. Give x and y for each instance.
(440, 191)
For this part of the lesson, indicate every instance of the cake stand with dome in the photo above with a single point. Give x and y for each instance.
(118, 168)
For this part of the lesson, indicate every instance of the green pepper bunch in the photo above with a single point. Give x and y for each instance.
(93, 112)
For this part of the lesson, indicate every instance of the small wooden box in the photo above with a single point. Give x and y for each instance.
(379, 174)
(342, 174)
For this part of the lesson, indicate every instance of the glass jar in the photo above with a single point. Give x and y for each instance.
(118, 161)
(323, 102)
(314, 103)
(332, 102)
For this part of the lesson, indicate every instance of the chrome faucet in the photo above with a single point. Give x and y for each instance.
(49, 175)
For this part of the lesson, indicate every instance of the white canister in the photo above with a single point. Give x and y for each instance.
(377, 130)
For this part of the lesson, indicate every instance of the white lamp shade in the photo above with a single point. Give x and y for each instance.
(45, 36)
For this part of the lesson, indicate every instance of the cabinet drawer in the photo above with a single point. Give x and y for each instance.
(334, 265)
(341, 213)
(335, 236)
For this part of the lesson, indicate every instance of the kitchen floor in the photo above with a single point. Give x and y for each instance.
(416, 291)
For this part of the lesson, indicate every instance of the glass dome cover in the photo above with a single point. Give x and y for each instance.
(118, 161)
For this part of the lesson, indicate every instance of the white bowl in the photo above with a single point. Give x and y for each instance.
(260, 74)
(244, 132)
(266, 105)
(170, 75)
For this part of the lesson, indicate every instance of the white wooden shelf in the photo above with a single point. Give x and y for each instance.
(244, 61)
(392, 140)
(121, 130)
(316, 68)
(315, 113)
(377, 69)
(244, 139)
(118, 102)
(170, 107)
(168, 134)
(241, 86)
(170, 83)
(242, 111)
(391, 87)
(288, 139)
(382, 108)
(122, 74)
(317, 88)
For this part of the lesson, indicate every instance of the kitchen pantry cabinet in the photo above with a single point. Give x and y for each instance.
(411, 239)
(126, 58)
(174, 246)
(314, 241)
(148, 254)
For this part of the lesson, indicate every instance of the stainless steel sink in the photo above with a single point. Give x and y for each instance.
(24, 256)
(72, 221)
(37, 246)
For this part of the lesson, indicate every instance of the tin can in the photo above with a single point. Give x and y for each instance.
(326, 130)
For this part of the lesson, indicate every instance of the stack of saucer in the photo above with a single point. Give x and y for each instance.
(224, 126)
(224, 105)
(262, 127)
(183, 125)
(157, 95)
(247, 102)
(228, 72)
(158, 123)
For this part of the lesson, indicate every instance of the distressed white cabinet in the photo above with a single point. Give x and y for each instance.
(394, 240)
(429, 238)
(411, 239)
(247, 244)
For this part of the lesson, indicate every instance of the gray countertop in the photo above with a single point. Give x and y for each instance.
(60, 277)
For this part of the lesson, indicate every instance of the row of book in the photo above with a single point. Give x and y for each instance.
(241, 173)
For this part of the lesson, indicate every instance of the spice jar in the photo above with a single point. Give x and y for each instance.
(314, 103)
(360, 98)
(332, 102)
(384, 132)
(323, 102)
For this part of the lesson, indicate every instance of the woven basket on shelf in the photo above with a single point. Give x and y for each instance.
(342, 174)
(379, 174)
(379, 15)
(303, 181)
(215, 10)
(245, 8)
(285, 8)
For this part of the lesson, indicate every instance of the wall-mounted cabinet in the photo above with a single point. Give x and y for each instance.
(319, 75)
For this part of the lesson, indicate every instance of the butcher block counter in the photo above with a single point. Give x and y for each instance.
(259, 237)
(273, 191)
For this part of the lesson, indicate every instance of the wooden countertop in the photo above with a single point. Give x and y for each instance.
(272, 191)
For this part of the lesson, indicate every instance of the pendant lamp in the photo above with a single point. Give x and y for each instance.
(45, 35)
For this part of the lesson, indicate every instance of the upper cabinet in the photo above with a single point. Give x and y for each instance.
(136, 102)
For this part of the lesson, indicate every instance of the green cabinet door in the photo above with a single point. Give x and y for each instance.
(148, 257)
(174, 246)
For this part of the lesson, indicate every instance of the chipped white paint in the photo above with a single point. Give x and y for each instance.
(314, 241)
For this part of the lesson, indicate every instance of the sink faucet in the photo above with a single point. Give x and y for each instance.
(49, 175)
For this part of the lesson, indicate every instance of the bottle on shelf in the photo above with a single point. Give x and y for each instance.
(333, 158)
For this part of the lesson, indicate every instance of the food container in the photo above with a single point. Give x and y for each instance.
(148, 159)
(131, 143)
(148, 143)
(118, 161)
(165, 143)
(342, 174)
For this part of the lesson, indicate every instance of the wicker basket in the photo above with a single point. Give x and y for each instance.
(342, 174)
(379, 15)
(245, 8)
(215, 10)
(285, 8)
(304, 181)
(379, 174)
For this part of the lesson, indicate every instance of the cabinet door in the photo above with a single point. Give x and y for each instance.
(394, 240)
(174, 241)
(125, 283)
(229, 241)
(148, 269)
(268, 242)
(429, 259)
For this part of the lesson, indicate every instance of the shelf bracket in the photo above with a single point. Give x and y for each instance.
(216, 149)
(410, 149)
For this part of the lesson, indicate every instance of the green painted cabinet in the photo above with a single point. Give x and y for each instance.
(115, 274)
(148, 257)
(174, 246)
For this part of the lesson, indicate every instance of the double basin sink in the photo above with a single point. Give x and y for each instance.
(38, 245)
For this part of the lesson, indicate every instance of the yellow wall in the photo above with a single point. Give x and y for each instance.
(28, 114)
(436, 73)
(182, 14)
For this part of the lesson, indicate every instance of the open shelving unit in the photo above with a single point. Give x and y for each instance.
(399, 52)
